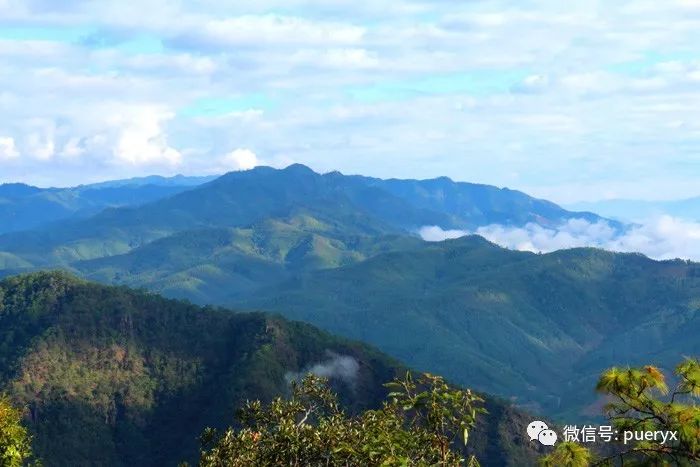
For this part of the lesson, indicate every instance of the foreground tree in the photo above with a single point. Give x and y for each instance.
(641, 403)
(421, 423)
(15, 447)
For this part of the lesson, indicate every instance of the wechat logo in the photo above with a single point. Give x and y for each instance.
(539, 431)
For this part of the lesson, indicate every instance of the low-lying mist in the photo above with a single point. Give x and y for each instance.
(662, 237)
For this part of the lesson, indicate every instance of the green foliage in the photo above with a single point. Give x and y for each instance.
(637, 406)
(15, 442)
(416, 426)
(567, 454)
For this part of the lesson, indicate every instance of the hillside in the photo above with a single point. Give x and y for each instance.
(218, 265)
(537, 328)
(115, 377)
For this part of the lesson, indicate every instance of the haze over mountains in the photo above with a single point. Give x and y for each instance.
(630, 210)
(344, 253)
(24, 207)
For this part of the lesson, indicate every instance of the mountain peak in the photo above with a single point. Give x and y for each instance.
(299, 168)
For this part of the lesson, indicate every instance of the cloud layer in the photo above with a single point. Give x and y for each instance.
(587, 100)
(661, 238)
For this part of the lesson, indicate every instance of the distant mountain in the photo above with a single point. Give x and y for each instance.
(24, 207)
(471, 205)
(114, 377)
(537, 328)
(157, 180)
(635, 210)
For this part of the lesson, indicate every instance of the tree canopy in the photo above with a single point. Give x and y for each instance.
(423, 422)
(15, 447)
(640, 402)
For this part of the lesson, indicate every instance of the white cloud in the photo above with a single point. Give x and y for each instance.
(41, 144)
(664, 237)
(342, 367)
(257, 31)
(8, 149)
(689, 3)
(580, 96)
(142, 141)
(240, 159)
(433, 233)
(73, 148)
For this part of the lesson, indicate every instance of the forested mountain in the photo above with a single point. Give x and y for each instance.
(539, 328)
(110, 376)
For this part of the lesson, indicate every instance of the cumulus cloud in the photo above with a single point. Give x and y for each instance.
(342, 367)
(239, 159)
(41, 146)
(142, 141)
(8, 149)
(73, 148)
(664, 237)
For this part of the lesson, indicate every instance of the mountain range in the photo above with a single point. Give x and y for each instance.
(334, 207)
(343, 253)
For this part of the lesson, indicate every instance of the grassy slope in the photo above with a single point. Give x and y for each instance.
(115, 377)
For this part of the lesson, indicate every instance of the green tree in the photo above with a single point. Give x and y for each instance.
(15, 447)
(568, 455)
(423, 422)
(640, 403)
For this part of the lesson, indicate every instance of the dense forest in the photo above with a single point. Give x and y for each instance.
(539, 327)
(129, 378)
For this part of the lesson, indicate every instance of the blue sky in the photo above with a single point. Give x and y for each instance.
(580, 100)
